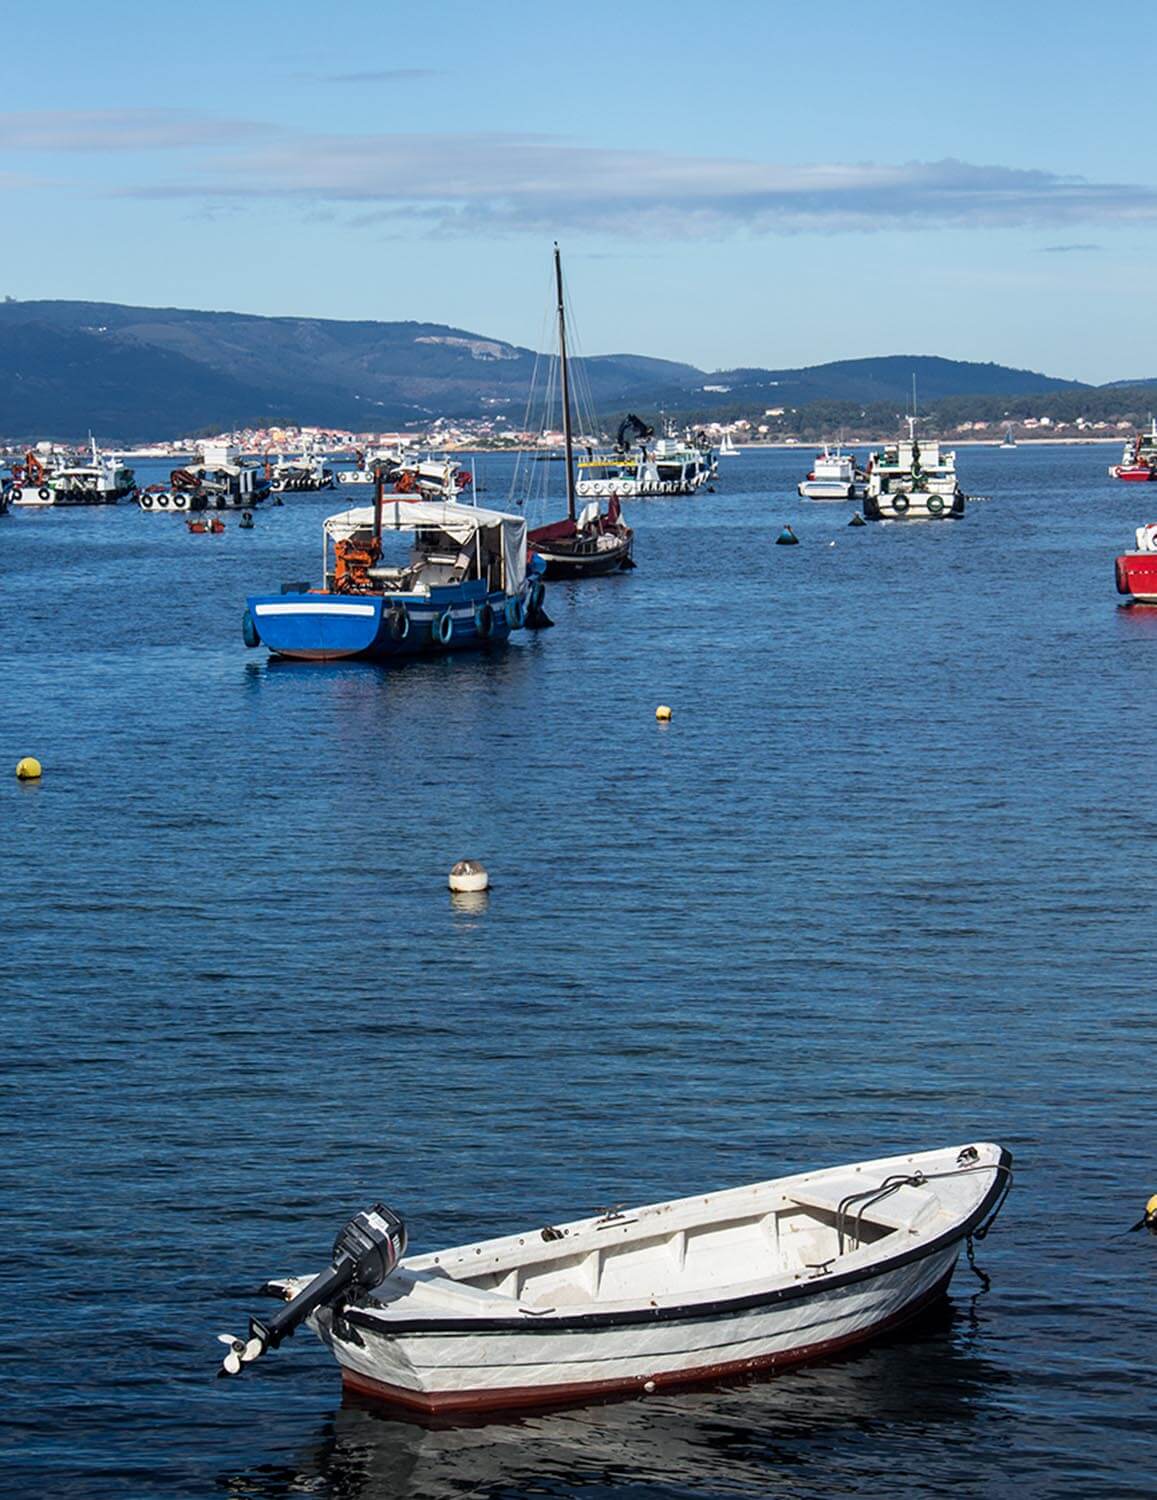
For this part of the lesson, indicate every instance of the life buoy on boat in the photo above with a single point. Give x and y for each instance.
(900, 504)
(443, 627)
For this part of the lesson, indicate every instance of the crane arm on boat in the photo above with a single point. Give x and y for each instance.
(364, 1254)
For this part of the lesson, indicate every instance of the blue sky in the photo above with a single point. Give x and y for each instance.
(750, 183)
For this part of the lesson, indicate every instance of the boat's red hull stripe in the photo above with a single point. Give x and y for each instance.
(510, 1398)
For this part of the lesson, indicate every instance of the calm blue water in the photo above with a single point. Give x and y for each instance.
(885, 881)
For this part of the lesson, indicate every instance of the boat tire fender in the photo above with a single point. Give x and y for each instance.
(398, 621)
(443, 627)
(146, 502)
(484, 621)
(935, 504)
(537, 596)
(900, 504)
(44, 492)
(163, 501)
(515, 613)
(249, 631)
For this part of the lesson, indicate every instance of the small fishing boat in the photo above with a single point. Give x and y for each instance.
(220, 480)
(637, 469)
(407, 474)
(459, 582)
(833, 476)
(1139, 460)
(306, 474)
(912, 481)
(1137, 569)
(49, 476)
(595, 542)
(719, 1285)
(367, 461)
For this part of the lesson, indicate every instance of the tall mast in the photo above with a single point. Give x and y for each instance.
(568, 436)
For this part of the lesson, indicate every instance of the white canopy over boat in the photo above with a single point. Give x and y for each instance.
(460, 522)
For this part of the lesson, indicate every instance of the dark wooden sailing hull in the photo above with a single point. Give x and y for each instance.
(583, 560)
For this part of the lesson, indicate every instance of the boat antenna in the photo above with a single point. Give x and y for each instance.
(567, 434)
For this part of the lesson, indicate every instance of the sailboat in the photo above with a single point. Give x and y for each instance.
(727, 448)
(595, 541)
(1009, 440)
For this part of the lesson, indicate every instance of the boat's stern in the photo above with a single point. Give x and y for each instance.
(313, 626)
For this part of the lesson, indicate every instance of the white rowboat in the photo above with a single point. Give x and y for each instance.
(697, 1289)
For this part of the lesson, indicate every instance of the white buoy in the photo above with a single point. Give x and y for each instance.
(469, 875)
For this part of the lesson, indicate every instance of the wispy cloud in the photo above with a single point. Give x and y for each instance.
(382, 75)
(1067, 249)
(116, 130)
(507, 183)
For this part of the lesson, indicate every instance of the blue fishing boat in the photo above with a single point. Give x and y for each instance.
(405, 577)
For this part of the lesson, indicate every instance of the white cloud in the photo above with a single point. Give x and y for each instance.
(495, 183)
(116, 130)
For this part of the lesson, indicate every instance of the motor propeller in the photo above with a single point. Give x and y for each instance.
(364, 1254)
(241, 1352)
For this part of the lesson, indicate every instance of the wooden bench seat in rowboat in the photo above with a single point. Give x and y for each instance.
(905, 1208)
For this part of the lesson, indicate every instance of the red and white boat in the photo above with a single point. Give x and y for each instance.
(1137, 569)
(1139, 461)
(698, 1289)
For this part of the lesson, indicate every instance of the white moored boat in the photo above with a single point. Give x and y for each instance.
(833, 476)
(913, 480)
(698, 1289)
(49, 476)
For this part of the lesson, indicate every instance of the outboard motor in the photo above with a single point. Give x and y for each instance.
(364, 1254)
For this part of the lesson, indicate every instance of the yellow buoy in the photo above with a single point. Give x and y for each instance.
(1151, 1207)
(28, 769)
(662, 713)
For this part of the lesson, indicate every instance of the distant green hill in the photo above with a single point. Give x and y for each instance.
(131, 373)
(882, 378)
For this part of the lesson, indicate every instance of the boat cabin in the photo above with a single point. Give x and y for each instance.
(423, 545)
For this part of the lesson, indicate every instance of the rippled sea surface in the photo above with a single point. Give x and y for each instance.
(886, 881)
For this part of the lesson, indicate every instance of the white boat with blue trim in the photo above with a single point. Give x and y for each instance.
(698, 1289)
(403, 577)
